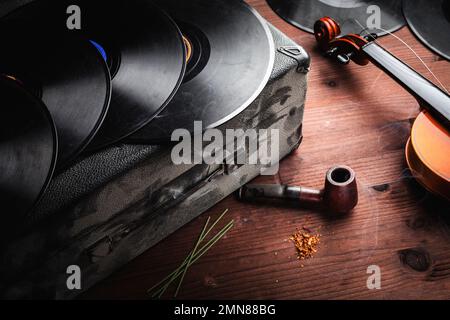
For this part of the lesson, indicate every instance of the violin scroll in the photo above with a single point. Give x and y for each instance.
(325, 31)
(342, 48)
(429, 146)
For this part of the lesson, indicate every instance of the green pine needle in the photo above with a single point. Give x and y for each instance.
(193, 257)
(200, 239)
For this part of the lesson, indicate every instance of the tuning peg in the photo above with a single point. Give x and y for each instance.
(331, 53)
(343, 58)
(371, 37)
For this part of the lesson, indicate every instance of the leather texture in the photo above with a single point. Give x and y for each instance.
(111, 206)
(96, 170)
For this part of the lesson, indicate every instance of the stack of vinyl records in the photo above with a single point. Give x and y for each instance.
(79, 76)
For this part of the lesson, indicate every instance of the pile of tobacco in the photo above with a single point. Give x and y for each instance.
(305, 243)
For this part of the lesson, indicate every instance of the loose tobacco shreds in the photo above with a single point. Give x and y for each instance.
(305, 243)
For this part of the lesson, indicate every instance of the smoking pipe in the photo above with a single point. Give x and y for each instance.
(340, 194)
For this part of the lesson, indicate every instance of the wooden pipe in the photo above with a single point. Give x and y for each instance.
(340, 194)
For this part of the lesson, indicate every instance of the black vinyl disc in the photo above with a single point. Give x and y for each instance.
(429, 20)
(147, 61)
(142, 46)
(6, 6)
(28, 151)
(230, 59)
(68, 75)
(350, 14)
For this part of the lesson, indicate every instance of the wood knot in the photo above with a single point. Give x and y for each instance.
(332, 83)
(209, 282)
(417, 259)
(382, 187)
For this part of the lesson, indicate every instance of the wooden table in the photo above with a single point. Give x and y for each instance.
(355, 116)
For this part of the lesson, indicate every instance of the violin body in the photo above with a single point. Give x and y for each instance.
(428, 149)
(427, 154)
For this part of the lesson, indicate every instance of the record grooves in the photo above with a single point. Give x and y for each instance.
(429, 20)
(28, 151)
(227, 71)
(72, 81)
(130, 69)
(144, 50)
(352, 15)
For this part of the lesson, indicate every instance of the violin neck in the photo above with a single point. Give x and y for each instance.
(430, 97)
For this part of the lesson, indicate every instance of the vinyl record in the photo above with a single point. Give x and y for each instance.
(142, 46)
(67, 74)
(429, 20)
(28, 150)
(350, 14)
(6, 6)
(230, 59)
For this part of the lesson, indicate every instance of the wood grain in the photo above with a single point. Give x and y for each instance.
(356, 116)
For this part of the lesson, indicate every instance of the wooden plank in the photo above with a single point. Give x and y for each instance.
(356, 116)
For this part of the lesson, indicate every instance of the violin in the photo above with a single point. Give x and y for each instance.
(428, 148)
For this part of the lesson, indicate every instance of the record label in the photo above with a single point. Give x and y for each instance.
(140, 44)
(232, 57)
(66, 73)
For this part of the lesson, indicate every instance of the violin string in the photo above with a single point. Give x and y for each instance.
(411, 49)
